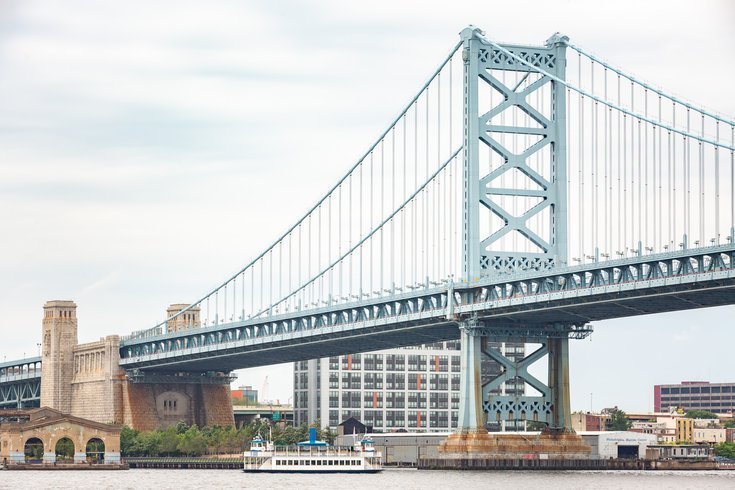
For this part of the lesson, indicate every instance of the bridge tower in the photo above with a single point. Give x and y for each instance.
(59, 337)
(514, 185)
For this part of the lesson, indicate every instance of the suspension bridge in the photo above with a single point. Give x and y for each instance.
(522, 193)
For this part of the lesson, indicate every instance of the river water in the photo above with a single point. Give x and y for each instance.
(404, 479)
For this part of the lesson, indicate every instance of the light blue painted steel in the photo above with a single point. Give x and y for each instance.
(20, 383)
(554, 395)
(624, 287)
(607, 103)
(471, 418)
(472, 257)
(483, 190)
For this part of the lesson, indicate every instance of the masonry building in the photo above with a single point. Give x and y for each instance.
(85, 380)
(695, 395)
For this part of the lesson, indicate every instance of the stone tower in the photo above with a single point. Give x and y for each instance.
(57, 368)
(185, 321)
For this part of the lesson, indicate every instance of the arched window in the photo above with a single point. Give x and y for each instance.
(95, 450)
(64, 450)
(33, 450)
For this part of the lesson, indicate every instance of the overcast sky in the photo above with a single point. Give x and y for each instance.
(150, 149)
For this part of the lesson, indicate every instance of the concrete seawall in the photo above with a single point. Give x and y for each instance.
(561, 464)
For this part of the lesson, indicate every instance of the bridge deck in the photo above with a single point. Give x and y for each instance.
(636, 286)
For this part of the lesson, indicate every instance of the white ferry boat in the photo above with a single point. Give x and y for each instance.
(312, 456)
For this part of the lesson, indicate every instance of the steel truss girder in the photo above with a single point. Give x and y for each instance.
(21, 393)
(531, 291)
(515, 332)
(143, 377)
(481, 254)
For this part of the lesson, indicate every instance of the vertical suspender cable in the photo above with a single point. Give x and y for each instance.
(660, 177)
(702, 238)
(414, 237)
(393, 207)
(580, 137)
(672, 206)
(371, 264)
(608, 146)
(685, 185)
(330, 285)
(404, 249)
(350, 281)
(643, 162)
(717, 183)
(732, 180)
(424, 246)
(361, 208)
(450, 231)
(340, 269)
(437, 250)
(595, 173)
(382, 215)
(619, 172)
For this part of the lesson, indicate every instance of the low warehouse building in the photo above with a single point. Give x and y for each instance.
(401, 448)
(606, 445)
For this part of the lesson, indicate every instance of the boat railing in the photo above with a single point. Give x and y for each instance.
(317, 451)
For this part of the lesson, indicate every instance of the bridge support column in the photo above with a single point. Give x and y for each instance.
(480, 398)
(561, 415)
(471, 416)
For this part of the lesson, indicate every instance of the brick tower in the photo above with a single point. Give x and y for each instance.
(57, 367)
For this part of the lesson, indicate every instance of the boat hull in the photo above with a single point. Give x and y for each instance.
(312, 471)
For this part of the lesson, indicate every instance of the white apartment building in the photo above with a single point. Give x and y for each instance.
(411, 388)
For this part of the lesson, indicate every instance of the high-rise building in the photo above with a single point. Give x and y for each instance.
(695, 395)
(412, 388)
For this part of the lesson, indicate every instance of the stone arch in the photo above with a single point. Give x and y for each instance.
(95, 450)
(33, 450)
(64, 450)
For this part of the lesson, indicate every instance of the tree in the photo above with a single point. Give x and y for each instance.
(730, 424)
(192, 442)
(128, 438)
(701, 414)
(619, 420)
(169, 444)
(725, 450)
(147, 444)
